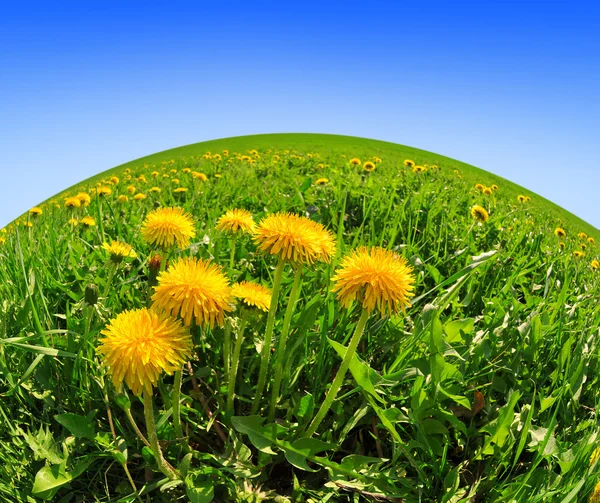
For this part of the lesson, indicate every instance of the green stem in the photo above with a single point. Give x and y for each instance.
(234, 363)
(111, 275)
(176, 399)
(281, 353)
(339, 376)
(227, 349)
(232, 253)
(153, 437)
(266, 349)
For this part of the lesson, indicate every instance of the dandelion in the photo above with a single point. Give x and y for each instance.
(527, 199)
(72, 202)
(479, 213)
(154, 189)
(596, 265)
(560, 232)
(104, 191)
(494, 187)
(409, 163)
(195, 289)
(487, 191)
(119, 250)
(36, 211)
(131, 189)
(595, 496)
(84, 198)
(322, 181)
(139, 197)
(166, 227)
(180, 190)
(479, 187)
(591, 240)
(252, 294)
(2, 240)
(369, 166)
(236, 220)
(73, 221)
(521, 198)
(578, 254)
(294, 238)
(376, 278)
(419, 169)
(582, 235)
(88, 222)
(114, 180)
(122, 199)
(355, 161)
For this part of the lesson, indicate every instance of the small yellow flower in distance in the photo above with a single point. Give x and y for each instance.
(596, 265)
(561, 245)
(527, 199)
(376, 278)
(2, 240)
(252, 294)
(139, 345)
(376, 160)
(180, 190)
(294, 238)
(173, 171)
(195, 289)
(199, 176)
(479, 213)
(578, 254)
(409, 163)
(595, 496)
(155, 189)
(139, 197)
(560, 232)
(84, 198)
(216, 157)
(127, 171)
(88, 221)
(369, 166)
(36, 211)
(186, 170)
(155, 173)
(521, 198)
(131, 189)
(322, 181)
(166, 227)
(114, 180)
(122, 199)
(236, 220)
(141, 179)
(591, 240)
(175, 181)
(225, 153)
(583, 246)
(582, 235)
(275, 157)
(479, 186)
(487, 191)
(104, 191)
(218, 175)
(73, 221)
(27, 224)
(494, 187)
(419, 169)
(355, 161)
(72, 202)
(119, 250)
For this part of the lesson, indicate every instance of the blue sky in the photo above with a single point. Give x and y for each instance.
(511, 87)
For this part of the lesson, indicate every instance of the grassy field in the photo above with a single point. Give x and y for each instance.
(484, 389)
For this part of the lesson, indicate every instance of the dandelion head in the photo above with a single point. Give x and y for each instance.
(321, 181)
(578, 254)
(376, 278)
(409, 163)
(521, 198)
(72, 202)
(87, 222)
(104, 191)
(596, 265)
(369, 166)
(235, 221)
(487, 191)
(355, 161)
(252, 294)
(479, 213)
(139, 345)
(167, 227)
(560, 232)
(119, 250)
(36, 211)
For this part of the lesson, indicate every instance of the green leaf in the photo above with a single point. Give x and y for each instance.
(262, 437)
(197, 490)
(454, 330)
(364, 375)
(304, 447)
(50, 479)
(44, 446)
(305, 185)
(79, 426)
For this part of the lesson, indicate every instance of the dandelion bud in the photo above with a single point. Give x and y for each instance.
(91, 294)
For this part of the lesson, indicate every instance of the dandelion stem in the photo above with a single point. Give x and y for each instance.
(176, 399)
(153, 437)
(234, 363)
(227, 349)
(341, 373)
(266, 349)
(111, 275)
(281, 353)
(232, 253)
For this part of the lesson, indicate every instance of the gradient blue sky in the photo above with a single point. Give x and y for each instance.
(511, 87)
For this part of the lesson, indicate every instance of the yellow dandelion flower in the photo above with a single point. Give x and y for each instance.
(155, 174)
(527, 199)
(131, 189)
(419, 169)
(141, 179)
(596, 265)
(139, 197)
(494, 187)
(479, 213)
(73, 221)
(84, 198)
(376, 278)
(591, 240)
(369, 166)
(578, 254)
(409, 163)
(104, 191)
(114, 180)
(122, 199)
(595, 496)
(218, 175)
(487, 191)
(175, 181)
(195, 289)
(36, 211)
(216, 157)
(583, 246)
(72, 202)
(582, 235)
(236, 220)
(155, 189)
(119, 250)
(561, 245)
(560, 232)
(88, 221)
(27, 224)
(166, 227)
(225, 153)
(355, 161)
(322, 181)
(2, 240)
(139, 345)
(199, 176)
(180, 190)
(294, 238)
(521, 198)
(252, 294)
(479, 187)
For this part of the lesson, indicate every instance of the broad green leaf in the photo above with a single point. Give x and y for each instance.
(79, 426)
(197, 490)
(49, 479)
(304, 447)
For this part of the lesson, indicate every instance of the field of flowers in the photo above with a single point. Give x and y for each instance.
(298, 318)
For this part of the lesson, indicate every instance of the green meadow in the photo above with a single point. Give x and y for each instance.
(484, 389)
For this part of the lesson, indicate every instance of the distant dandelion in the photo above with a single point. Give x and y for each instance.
(139, 345)
(252, 294)
(131, 189)
(118, 251)
(355, 161)
(195, 289)
(72, 202)
(494, 187)
(36, 211)
(596, 265)
(419, 169)
(591, 240)
(166, 227)
(479, 187)
(88, 222)
(322, 181)
(578, 254)
(154, 189)
(139, 197)
(479, 213)
(582, 235)
(409, 163)
(560, 232)
(487, 191)
(236, 220)
(521, 198)
(369, 166)
(104, 191)
(122, 199)
(84, 198)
